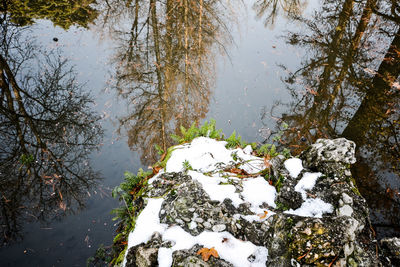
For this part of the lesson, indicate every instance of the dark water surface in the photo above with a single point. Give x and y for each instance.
(88, 89)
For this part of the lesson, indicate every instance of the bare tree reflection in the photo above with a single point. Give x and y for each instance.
(47, 130)
(270, 9)
(348, 86)
(164, 65)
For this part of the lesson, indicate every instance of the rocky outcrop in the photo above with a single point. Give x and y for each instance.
(313, 216)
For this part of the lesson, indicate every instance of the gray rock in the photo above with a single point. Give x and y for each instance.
(219, 228)
(342, 237)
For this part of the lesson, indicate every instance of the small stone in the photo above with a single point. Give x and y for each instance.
(192, 225)
(199, 220)
(298, 224)
(219, 228)
(307, 231)
(326, 244)
(347, 172)
(238, 226)
(186, 219)
(191, 209)
(207, 225)
(347, 199)
(346, 210)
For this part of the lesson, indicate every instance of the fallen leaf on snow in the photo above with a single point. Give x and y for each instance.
(262, 216)
(238, 171)
(207, 252)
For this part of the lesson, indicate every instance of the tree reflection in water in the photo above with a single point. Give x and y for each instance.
(348, 85)
(63, 13)
(47, 131)
(270, 9)
(164, 65)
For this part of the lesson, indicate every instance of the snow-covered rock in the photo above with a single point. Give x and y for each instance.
(314, 217)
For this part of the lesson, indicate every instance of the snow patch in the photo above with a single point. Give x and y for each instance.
(147, 223)
(216, 191)
(312, 207)
(256, 191)
(294, 166)
(307, 183)
(228, 247)
(204, 154)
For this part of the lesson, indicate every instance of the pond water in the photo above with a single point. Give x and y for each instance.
(88, 89)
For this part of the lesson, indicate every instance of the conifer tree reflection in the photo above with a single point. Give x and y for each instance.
(47, 130)
(165, 65)
(349, 87)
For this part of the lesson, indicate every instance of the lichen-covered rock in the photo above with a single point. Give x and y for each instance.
(317, 216)
(190, 258)
(329, 156)
(145, 255)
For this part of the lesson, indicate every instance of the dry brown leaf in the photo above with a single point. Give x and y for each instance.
(156, 169)
(238, 171)
(207, 252)
(262, 216)
(266, 161)
(311, 91)
(63, 206)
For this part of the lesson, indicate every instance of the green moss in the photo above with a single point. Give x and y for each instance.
(120, 258)
(351, 262)
(281, 207)
(279, 183)
(353, 185)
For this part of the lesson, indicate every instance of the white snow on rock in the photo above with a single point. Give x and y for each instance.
(207, 155)
(204, 153)
(312, 207)
(307, 182)
(247, 150)
(294, 166)
(147, 223)
(252, 164)
(256, 191)
(216, 191)
(228, 247)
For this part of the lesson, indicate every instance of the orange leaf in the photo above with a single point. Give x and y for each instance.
(262, 216)
(238, 171)
(156, 169)
(311, 91)
(63, 206)
(266, 161)
(207, 252)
